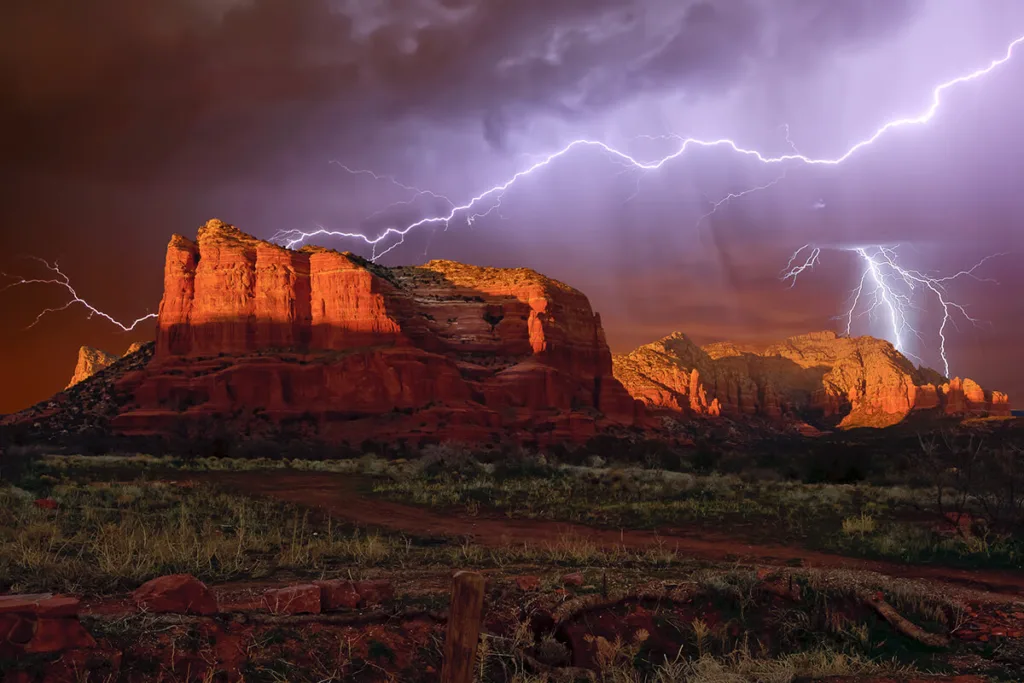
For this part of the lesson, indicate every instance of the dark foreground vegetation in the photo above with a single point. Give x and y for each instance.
(101, 525)
(642, 615)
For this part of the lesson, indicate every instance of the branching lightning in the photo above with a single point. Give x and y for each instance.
(888, 288)
(294, 238)
(885, 284)
(61, 280)
(792, 271)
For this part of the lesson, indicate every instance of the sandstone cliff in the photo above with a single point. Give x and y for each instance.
(91, 361)
(257, 334)
(863, 381)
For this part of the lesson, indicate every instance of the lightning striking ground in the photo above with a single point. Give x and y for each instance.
(294, 238)
(888, 288)
(63, 281)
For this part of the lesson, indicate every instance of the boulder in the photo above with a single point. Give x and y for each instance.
(40, 623)
(180, 593)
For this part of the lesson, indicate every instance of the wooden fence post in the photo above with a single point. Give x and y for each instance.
(464, 621)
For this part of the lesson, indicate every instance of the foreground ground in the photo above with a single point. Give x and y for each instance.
(565, 600)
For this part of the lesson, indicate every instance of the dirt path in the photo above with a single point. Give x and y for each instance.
(337, 494)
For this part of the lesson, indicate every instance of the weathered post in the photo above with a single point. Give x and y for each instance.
(464, 621)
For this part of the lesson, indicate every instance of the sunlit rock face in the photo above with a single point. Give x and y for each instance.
(251, 332)
(92, 360)
(864, 381)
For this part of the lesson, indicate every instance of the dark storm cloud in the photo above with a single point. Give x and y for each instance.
(114, 79)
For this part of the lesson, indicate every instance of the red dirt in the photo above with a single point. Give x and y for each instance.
(337, 495)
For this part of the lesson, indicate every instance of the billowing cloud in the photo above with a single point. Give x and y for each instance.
(111, 79)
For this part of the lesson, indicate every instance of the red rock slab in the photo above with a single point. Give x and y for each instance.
(304, 599)
(29, 634)
(56, 635)
(40, 604)
(180, 593)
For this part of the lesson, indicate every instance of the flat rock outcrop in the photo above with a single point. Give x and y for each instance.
(859, 381)
(252, 336)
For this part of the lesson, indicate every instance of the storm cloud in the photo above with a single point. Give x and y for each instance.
(127, 120)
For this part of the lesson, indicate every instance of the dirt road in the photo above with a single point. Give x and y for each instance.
(338, 495)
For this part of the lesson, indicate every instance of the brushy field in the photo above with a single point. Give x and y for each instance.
(105, 537)
(895, 522)
(117, 522)
(92, 541)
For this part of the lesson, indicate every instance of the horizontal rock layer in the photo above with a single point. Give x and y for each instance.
(257, 335)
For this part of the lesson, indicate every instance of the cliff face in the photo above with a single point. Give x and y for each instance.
(91, 361)
(863, 380)
(252, 332)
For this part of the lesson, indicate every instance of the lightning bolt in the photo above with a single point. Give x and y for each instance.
(888, 288)
(737, 195)
(791, 272)
(293, 238)
(283, 235)
(62, 280)
(880, 260)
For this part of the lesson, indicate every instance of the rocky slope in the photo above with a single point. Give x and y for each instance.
(252, 337)
(857, 381)
(92, 360)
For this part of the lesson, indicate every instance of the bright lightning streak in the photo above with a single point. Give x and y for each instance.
(791, 272)
(888, 287)
(295, 237)
(62, 280)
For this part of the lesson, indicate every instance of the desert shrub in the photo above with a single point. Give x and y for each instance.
(18, 462)
(976, 490)
(859, 524)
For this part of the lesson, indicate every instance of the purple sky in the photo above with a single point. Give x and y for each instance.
(127, 121)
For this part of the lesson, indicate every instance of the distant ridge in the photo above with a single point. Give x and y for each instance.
(859, 381)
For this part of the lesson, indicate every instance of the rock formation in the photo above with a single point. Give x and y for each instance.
(864, 381)
(253, 334)
(91, 361)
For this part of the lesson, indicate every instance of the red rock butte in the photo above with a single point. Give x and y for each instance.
(859, 381)
(252, 335)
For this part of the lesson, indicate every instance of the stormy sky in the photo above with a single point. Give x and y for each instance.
(124, 121)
